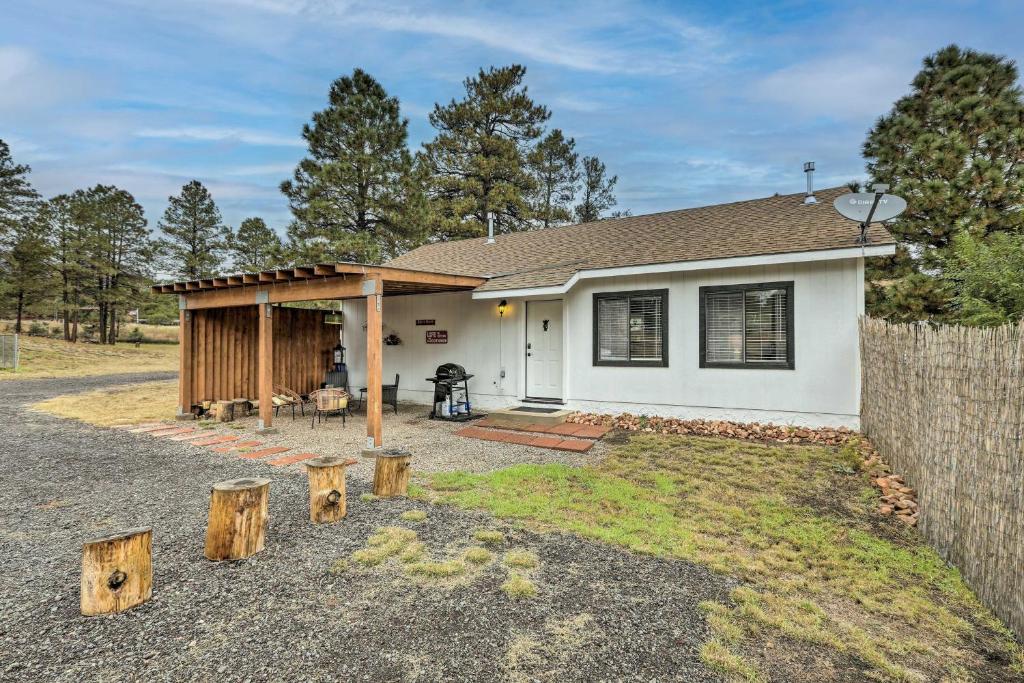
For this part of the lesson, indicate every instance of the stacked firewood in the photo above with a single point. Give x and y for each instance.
(897, 499)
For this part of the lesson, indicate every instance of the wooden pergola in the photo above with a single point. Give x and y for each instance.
(228, 332)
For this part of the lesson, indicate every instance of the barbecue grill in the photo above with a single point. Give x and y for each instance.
(451, 393)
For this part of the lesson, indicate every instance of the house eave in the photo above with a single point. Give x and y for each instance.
(684, 266)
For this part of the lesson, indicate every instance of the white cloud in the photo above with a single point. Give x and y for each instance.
(846, 86)
(27, 84)
(221, 134)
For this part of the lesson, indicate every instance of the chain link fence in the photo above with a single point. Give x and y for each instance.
(945, 408)
(9, 351)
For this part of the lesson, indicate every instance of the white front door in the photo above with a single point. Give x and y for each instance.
(544, 349)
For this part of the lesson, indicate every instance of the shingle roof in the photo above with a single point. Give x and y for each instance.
(542, 258)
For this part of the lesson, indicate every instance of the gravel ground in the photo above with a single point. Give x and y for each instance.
(433, 444)
(600, 613)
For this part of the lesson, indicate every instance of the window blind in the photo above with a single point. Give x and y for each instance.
(645, 328)
(612, 340)
(765, 322)
(724, 327)
(747, 325)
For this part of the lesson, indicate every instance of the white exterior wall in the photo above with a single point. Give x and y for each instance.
(473, 342)
(822, 390)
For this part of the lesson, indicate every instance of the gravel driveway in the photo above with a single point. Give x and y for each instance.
(600, 613)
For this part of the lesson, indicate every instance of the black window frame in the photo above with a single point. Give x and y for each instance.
(663, 361)
(790, 363)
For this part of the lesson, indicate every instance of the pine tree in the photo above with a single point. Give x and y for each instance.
(118, 249)
(354, 197)
(255, 247)
(953, 148)
(195, 242)
(70, 259)
(554, 164)
(478, 159)
(597, 191)
(26, 267)
(17, 198)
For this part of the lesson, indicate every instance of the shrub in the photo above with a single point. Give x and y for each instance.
(37, 329)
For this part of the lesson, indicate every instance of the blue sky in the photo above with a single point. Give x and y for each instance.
(688, 103)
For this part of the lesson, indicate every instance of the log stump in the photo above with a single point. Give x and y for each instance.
(327, 488)
(224, 411)
(238, 519)
(117, 571)
(391, 473)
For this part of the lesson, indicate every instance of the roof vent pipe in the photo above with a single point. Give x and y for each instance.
(809, 170)
(490, 228)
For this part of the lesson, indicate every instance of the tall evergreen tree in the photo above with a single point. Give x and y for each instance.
(954, 149)
(596, 191)
(26, 267)
(554, 164)
(195, 240)
(17, 198)
(255, 247)
(70, 258)
(354, 197)
(119, 251)
(477, 160)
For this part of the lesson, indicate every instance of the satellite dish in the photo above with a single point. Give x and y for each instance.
(857, 206)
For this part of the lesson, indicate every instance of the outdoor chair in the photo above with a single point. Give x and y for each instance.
(285, 397)
(329, 402)
(388, 394)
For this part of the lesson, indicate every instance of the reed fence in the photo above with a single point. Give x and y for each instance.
(945, 408)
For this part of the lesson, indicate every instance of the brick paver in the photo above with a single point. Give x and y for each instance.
(293, 458)
(209, 441)
(149, 428)
(554, 442)
(567, 428)
(592, 431)
(197, 434)
(273, 450)
(575, 445)
(237, 446)
(171, 431)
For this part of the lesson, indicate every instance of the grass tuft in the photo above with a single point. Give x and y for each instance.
(414, 515)
(367, 497)
(436, 570)
(719, 658)
(521, 559)
(489, 537)
(339, 567)
(413, 552)
(477, 555)
(518, 586)
(386, 543)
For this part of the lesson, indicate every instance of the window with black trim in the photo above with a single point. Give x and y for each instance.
(631, 328)
(747, 326)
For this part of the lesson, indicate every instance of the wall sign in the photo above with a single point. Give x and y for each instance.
(437, 336)
(425, 322)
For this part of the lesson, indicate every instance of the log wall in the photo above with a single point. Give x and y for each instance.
(945, 408)
(225, 347)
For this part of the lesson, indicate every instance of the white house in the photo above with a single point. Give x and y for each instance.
(744, 311)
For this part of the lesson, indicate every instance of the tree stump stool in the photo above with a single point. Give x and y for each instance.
(224, 411)
(117, 571)
(327, 488)
(238, 519)
(391, 473)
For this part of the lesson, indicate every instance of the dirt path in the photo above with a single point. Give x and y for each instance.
(599, 614)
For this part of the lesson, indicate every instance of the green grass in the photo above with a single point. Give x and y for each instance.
(386, 543)
(795, 523)
(414, 515)
(41, 357)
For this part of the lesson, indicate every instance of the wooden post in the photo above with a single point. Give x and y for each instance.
(265, 380)
(185, 360)
(327, 488)
(391, 474)
(238, 519)
(117, 571)
(374, 374)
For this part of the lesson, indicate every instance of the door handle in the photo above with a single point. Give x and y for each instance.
(528, 353)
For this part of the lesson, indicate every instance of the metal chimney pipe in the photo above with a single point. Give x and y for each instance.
(490, 228)
(809, 170)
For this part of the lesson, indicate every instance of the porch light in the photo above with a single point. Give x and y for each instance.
(502, 307)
